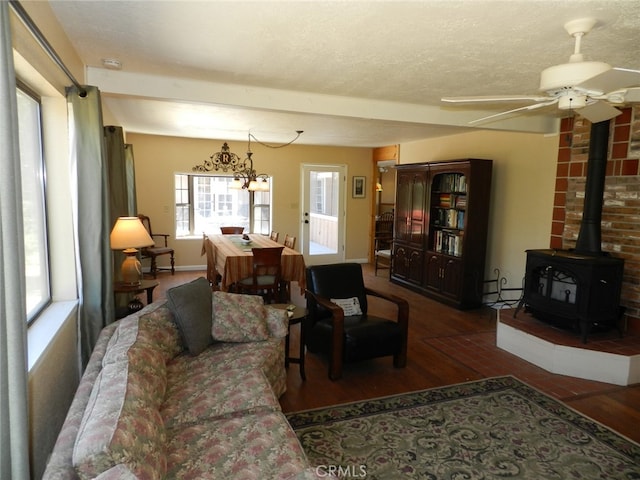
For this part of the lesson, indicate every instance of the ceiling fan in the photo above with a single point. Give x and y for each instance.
(590, 88)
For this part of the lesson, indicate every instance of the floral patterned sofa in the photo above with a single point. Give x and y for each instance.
(170, 393)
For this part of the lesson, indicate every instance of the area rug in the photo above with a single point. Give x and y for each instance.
(497, 428)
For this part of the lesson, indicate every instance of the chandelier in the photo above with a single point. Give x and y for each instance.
(244, 175)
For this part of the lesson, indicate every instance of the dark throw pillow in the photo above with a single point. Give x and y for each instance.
(191, 306)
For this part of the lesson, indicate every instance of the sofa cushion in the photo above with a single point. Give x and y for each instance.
(122, 422)
(267, 356)
(197, 396)
(255, 446)
(238, 318)
(156, 330)
(191, 306)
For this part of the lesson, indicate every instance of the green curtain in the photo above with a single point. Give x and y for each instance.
(117, 186)
(14, 436)
(132, 203)
(92, 218)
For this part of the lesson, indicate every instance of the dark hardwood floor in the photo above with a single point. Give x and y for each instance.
(446, 346)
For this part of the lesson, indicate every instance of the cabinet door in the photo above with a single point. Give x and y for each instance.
(408, 264)
(403, 207)
(434, 273)
(418, 196)
(451, 277)
(444, 275)
(410, 206)
(400, 262)
(416, 266)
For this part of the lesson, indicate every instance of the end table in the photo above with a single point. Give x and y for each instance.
(145, 286)
(295, 316)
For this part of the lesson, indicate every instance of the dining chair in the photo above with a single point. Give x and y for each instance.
(274, 236)
(231, 230)
(156, 251)
(266, 275)
(289, 241)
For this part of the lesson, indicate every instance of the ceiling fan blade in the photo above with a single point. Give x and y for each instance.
(495, 99)
(614, 79)
(495, 116)
(598, 112)
(632, 95)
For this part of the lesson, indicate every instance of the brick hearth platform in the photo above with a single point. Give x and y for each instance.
(606, 357)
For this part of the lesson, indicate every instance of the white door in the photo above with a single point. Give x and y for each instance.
(323, 213)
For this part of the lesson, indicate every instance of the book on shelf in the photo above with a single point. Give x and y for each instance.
(451, 182)
(449, 243)
(450, 218)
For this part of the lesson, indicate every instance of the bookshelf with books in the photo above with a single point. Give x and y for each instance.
(456, 212)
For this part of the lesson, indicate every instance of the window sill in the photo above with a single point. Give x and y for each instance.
(41, 333)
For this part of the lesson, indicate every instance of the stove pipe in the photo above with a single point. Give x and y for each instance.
(590, 236)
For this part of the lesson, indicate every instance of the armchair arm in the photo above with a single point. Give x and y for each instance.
(400, 359)
(337, 343)
(403, 308)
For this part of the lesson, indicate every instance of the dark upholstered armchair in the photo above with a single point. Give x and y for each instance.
(350, 336)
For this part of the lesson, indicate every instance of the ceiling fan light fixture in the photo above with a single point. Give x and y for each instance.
(572, 101)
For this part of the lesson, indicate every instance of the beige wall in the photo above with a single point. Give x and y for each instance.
(523, 187)
(522, 191)
(158, 158)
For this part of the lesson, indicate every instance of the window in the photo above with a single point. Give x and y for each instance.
(33, 204)
(204, 203)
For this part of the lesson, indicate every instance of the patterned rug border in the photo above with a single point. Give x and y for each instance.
(402, 401)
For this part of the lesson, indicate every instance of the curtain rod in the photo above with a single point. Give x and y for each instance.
(44, 43)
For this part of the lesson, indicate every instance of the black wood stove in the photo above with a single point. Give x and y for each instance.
(580, 288)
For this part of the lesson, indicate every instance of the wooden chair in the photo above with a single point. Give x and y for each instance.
(212, 274)
(156, 251)
(265, 278)
(353, 335)
(289, 241)
(231, 230)
(285, 287)
(382, 253)
(274, 236)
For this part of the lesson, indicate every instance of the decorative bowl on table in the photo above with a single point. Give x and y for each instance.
(245, 240)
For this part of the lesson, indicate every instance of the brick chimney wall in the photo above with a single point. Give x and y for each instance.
(621, 209)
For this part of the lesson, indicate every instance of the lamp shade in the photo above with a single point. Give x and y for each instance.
(128, 232)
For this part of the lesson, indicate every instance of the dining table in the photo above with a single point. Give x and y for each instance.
(233, 258)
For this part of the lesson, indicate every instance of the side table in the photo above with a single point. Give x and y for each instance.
(145, 286)
(295, 316)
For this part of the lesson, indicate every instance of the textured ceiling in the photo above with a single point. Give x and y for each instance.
(360, 73)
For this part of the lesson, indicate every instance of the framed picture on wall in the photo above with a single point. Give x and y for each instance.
(358, 187)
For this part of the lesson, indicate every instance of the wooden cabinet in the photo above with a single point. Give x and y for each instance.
(442, 213)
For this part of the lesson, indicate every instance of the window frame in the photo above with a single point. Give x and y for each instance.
(45, 270)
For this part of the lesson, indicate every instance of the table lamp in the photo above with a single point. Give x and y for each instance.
(127, 235)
